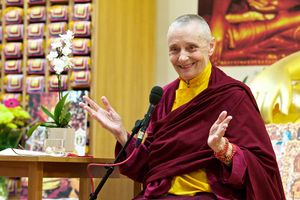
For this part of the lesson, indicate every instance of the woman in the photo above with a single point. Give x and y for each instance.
(206, 139)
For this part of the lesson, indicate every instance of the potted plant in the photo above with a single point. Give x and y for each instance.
(58, 127)
(13, 122)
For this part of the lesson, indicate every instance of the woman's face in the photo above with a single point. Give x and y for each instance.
(188, 51)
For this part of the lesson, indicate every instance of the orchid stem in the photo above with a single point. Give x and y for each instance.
(59, 86)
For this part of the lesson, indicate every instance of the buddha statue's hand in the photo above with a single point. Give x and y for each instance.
(272, 87)
(264, 5)
(218, 32)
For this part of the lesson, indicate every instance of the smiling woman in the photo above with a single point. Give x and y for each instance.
(189, 51)
(200, 144)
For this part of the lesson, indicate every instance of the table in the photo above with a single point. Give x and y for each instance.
(37, 167)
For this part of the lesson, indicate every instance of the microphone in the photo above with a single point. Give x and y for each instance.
(154, 98)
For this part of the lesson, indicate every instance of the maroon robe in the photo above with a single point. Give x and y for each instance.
(177, 144)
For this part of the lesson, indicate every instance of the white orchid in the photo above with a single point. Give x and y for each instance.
(59, 65)
(66, 51)
(60, 50)
(56, 44)
(52, 55)
(67, 37)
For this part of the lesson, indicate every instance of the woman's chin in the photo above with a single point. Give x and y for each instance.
(187, 77)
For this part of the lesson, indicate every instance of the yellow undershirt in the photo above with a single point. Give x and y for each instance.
(194, 182)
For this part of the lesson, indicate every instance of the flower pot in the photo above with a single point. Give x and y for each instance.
(66, 137)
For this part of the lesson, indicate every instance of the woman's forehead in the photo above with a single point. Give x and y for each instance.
(185, 36)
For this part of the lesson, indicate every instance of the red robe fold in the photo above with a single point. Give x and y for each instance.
(177, 144)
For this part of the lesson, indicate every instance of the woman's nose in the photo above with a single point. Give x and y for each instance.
(183, 56)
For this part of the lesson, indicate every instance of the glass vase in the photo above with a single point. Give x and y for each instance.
(3, 188)
(10, 138)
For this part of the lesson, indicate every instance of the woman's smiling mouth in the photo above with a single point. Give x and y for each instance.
(186, 66)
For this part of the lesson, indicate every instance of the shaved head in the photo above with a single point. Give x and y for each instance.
(203, 28)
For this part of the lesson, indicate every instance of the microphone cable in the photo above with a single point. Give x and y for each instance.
(106, 165)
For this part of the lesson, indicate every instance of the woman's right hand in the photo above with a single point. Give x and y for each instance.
(216, 140)
(107, 117)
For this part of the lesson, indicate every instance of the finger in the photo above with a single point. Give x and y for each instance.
(220, 133)
(107, 104)
(92, 104)
(221, 117)
(225, 122)
(286, 98)
(97, 115)
(222, 127)
(218, 51)
(268, 106)
(227, 119)
(87, 108)
(81, 104)
(260, 98)
(215, 126)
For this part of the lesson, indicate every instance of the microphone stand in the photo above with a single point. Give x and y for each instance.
(109, 170)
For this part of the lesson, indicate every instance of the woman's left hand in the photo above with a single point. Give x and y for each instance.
(215, 140)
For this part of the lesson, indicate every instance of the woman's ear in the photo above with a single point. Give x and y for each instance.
(212, 45)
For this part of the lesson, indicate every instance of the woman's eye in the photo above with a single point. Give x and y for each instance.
(173, 50)
(192, 48)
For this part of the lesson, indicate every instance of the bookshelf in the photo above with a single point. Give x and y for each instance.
(28, 28)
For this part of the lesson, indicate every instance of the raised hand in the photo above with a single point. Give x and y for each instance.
(215, 140)
(107, 117)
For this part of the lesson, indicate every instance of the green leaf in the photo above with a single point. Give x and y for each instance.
(47, 112)
(45, 124)
(32, 129)
(65, 121)
(49, 124)
(64, 112)
(59, 107)
(245, 79)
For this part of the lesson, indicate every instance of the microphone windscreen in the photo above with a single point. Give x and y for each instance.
(155, 95)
